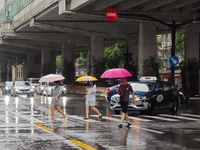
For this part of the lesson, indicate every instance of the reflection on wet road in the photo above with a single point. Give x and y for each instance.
(24, 124)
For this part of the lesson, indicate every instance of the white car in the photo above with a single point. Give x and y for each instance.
(34, 82)
(21, 88)
(40, 88)
(49, 87)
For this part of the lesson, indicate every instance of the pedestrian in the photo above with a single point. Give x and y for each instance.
(124, 92)
(56, 100)
(90, 100)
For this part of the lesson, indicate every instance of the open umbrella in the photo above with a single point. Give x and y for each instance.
(116, 73)
(86, 78)
(51, 78)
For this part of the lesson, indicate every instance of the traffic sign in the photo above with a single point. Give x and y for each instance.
(173, 60)
(111, 14)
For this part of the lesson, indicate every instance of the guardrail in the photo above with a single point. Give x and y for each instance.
(14, 7)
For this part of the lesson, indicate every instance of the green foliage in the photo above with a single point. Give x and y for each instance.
(158, 43)
(59, 62)
(151, 67)
(190, 75)
(160, 63)
(113, 55)
(180, 38)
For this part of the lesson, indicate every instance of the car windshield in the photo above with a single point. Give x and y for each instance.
(142, 87)
(8, 84)
(35, 80)
(22, 84)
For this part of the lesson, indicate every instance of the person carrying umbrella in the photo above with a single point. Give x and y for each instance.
(56, 100)
(124, 91)
(90, 100)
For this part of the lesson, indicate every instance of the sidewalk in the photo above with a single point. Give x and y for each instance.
(194, 98)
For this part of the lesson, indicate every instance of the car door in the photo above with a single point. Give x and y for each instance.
(159, 96)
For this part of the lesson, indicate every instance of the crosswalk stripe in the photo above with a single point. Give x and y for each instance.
(118, 120)
(81, 118)
(159, 118)
(134, 118)
(180, 117)
(191, 115)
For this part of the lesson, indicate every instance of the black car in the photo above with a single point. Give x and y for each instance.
(150, 95)
(6, 88)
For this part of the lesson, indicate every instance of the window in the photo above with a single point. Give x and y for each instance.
(166, 86)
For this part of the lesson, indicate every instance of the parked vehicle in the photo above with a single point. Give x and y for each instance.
(22, 88)
(150, 95)
(40, 88)
(6, 88)
(49, 87)
(34, 82)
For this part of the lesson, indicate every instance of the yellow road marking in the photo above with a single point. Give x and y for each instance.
(43, 127)
(82, 145)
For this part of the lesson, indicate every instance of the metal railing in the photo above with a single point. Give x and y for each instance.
(14, 7)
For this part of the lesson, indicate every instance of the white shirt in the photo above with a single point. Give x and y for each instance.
(92, 97)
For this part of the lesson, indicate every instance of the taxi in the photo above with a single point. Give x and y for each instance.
(150, 94)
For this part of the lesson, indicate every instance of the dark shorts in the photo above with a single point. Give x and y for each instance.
(124, 107)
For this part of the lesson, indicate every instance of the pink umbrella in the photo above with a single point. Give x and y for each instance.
(51, 78)
(116, 73)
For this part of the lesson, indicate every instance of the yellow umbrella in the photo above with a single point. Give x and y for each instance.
(86, 78)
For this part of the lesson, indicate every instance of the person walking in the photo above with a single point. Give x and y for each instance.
(124, 91)
(56, 100)
(90, 100)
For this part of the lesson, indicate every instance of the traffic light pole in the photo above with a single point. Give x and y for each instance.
(173, 49)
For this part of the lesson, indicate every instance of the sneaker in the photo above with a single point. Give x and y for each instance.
(85, 118)
(100, 117)
(128, 125)
(120, 126)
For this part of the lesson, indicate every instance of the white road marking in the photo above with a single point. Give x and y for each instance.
(118, 120)
(81, 118)
(159, 118)
(191, 115)
(180, 117)
(135, 118)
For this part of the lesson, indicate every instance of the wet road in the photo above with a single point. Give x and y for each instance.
(24, 124)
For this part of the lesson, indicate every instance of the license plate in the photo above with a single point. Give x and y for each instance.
(24, 91)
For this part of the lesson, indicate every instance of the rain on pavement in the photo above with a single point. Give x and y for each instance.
(24, 124)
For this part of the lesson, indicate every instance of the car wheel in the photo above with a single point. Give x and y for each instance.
(117, 112)
(174, 108)
(150, 108)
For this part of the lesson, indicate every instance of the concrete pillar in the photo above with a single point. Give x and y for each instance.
(192, 47)
(45, 58)
(132, 43)
(67, 55)
(30, 63)
(8, 70)
(1, 67)
(192, 41)
(147, 44)
(97, 50)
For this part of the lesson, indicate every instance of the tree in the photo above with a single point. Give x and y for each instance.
(59, 62)
(113, 55)
(180, 38)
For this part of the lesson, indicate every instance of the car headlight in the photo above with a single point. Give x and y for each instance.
(140, 98)
(112, 98)
(32, 90)
(33, 87)
(7, 88)
(17, 90)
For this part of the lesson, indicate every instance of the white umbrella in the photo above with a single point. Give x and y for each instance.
(51, 78)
